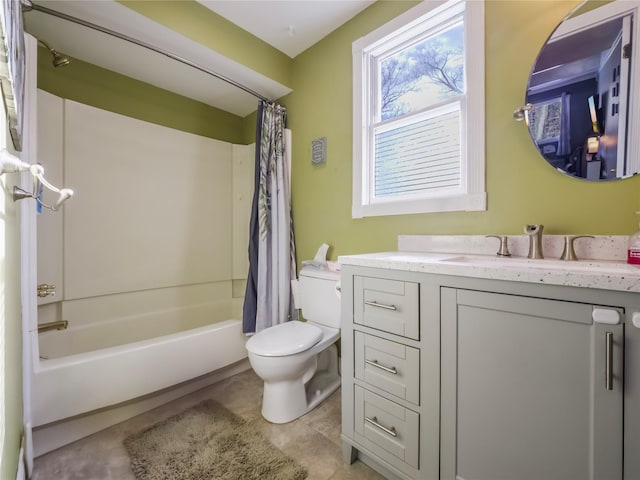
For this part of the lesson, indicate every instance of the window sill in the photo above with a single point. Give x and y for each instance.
(474, 202)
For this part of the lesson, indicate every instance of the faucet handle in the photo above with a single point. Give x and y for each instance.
(568, 253)
(44, 290)
(503, 249)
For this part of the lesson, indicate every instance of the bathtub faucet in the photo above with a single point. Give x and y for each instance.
(57, 325)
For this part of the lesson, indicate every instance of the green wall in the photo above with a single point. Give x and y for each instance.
(105, 89)
(201, 25)
(521, 187)
(249, 128)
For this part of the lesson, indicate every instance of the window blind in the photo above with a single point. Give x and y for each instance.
(418, 158)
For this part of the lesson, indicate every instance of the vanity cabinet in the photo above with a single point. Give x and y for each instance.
(455, 378)
(531, 389)
(386, 369)
(388, 418)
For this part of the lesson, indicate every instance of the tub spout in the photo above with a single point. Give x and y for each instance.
(57, 325)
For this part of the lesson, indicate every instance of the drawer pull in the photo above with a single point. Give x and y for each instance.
(374, 421)
(374, 363)
(381, 305)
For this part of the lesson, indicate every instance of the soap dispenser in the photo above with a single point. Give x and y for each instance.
(633, 252)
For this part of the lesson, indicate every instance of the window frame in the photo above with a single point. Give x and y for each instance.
(388, 39)
(549, 101)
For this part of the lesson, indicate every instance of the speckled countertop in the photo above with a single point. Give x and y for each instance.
(465, 260)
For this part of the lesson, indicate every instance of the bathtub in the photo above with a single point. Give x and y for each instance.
(93, 366)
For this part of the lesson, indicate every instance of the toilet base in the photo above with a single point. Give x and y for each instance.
(283, 402)
(319, 388)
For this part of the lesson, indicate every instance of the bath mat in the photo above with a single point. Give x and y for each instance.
(207, 442)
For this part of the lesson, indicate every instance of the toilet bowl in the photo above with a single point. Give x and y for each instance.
(298, 361)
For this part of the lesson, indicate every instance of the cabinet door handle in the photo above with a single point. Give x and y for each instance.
(380, 305)
(374, 363)
(374, 421)
(608, 352)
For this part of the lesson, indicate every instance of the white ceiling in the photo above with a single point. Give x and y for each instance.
(291, 26)
(309, 21)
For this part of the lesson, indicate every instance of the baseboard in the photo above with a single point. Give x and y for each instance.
(57, 434)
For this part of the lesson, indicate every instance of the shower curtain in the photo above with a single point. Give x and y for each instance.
(272, 265)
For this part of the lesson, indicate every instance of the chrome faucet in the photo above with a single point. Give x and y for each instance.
(535, 240)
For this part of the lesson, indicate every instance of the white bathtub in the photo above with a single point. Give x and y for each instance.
(103, 364)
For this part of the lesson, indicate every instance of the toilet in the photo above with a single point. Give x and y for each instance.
(298, 361)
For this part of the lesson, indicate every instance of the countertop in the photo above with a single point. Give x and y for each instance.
(600, 274)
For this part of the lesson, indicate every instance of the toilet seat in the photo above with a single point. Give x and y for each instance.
(285, 339)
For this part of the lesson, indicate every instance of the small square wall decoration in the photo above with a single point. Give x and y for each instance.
(319, 151)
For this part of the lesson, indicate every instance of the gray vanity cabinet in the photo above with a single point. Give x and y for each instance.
(455, 378)
(390, 361)
(387, 418)
(531, 389)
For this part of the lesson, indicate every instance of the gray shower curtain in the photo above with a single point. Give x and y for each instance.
(272, 264)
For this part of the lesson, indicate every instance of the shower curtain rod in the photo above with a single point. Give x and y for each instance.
(28, 5)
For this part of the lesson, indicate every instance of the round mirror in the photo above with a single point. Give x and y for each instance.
(581, 111)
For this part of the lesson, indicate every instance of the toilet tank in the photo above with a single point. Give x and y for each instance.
(319, 298)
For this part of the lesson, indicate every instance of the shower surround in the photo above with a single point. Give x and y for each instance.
(145, 260)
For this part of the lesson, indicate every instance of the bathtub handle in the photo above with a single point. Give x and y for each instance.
(44, 290)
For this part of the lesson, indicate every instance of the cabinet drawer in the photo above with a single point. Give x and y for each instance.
(389, 305)
(390, 366)
(388, 429)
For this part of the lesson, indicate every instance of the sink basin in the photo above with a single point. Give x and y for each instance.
(601, 267)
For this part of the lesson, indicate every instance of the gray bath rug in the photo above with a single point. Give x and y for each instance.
(207, 442)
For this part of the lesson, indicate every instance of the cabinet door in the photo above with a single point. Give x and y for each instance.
(524, 389)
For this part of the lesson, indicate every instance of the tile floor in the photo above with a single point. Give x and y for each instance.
(313, 440)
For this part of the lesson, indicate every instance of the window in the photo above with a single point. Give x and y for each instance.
(545, 120)
(418, 86)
